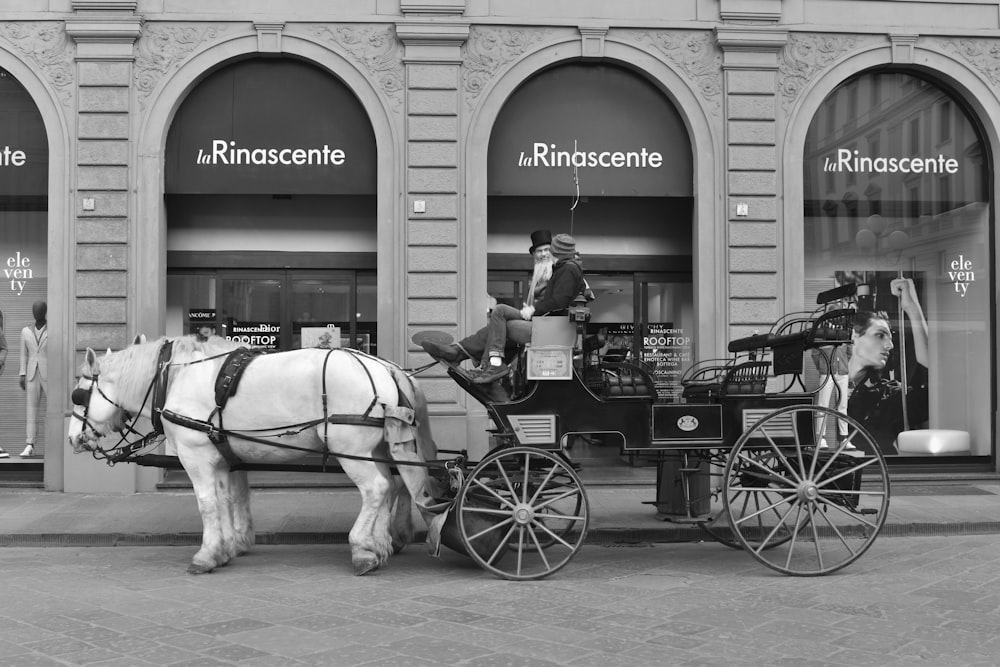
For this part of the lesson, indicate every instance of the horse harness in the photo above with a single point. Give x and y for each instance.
(226, 384)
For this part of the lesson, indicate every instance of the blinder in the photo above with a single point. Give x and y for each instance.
(81, 396)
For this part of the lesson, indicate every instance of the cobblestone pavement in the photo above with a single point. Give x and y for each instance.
(908, 600)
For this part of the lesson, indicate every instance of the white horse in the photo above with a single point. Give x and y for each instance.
(279, 399)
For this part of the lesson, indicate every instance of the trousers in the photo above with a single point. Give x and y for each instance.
(34, 388)
(505, 327)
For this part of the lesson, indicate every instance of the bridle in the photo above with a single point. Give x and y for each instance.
(82, 398)
(157, 390)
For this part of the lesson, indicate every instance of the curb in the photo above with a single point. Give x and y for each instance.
(596, 536)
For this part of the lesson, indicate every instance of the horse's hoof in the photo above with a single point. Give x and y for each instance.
(364, 565)
(195, 568)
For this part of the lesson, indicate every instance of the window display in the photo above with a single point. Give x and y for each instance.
(897, 203)
(24, 331)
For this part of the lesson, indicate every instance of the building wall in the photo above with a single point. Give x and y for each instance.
(746, 75)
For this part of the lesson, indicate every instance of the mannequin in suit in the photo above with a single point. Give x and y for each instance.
(34, 369)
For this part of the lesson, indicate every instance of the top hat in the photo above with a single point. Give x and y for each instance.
(540, 237)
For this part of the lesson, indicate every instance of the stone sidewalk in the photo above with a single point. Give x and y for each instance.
(324, 516)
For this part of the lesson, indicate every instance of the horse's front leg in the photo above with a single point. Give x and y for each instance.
(210, 480)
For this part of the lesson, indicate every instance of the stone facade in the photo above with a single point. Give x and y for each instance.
(746, 75)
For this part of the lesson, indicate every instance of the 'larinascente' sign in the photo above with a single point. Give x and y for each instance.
(229, 153)
(847, 161)
(600, 126)
(271, 127)
(12, 157)
(549, 155)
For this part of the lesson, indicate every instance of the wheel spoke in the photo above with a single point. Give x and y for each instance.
(840, 535)
(551, 534)
(778, 525)
(501, 546)
(541, 486)
(539, 549)
(771, 472)
(491, 528)
(777, 452)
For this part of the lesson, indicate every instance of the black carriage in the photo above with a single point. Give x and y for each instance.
(747, 454)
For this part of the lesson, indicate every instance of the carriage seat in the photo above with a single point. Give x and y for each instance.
(709, 383)
(833, 327)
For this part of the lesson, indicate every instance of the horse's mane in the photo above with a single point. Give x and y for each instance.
(135, 365)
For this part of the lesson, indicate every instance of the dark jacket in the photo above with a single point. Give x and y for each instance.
(563, 288)
(878, 405)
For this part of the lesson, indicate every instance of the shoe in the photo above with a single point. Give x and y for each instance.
(451, 353)
(3, 454)
(491, 374)
(822, 443)
(29, 450)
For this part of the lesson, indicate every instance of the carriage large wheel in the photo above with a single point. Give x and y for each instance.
(803, 509)
(522, 513)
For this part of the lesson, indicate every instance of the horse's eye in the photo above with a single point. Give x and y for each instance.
(80, 397)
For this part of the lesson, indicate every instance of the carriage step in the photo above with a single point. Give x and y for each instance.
(868, 510)
(689, 470)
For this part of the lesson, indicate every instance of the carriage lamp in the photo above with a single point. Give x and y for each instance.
(579, 311)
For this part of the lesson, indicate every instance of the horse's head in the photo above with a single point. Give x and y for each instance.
(97, 411)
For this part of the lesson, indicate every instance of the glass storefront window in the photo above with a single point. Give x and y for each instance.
(276, 309)
(897, 202)
(24, 330)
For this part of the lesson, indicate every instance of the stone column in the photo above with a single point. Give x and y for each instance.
(750, 64)
(104, 32)
(434, 185)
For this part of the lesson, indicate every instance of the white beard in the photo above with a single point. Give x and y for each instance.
(540, 277)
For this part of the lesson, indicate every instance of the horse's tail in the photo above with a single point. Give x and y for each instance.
(414, 395)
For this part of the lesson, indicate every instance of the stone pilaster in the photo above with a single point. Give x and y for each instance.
(432, 59)
(750, 63)
(104, 32)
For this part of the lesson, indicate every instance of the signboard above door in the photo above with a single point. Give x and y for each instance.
(603, 127)
(276, 126)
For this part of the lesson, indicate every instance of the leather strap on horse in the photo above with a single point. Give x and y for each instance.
(365, 418)
(226, 384)
(160, 385)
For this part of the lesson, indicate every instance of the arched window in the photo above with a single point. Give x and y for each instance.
(897, 197)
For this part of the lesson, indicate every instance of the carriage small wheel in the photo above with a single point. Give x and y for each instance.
(522, 513)
(806, 490)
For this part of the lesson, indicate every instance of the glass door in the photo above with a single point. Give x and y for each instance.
(665, 329)
(277, 309)
(250, 309)
(321, 307)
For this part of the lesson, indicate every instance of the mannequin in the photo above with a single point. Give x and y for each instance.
(34, 369)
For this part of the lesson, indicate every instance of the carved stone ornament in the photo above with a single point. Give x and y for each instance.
(806, 56)
(982, 54)
(488, 51)
(161, 48)
(376, 50)
(698, 57)
(49, 48)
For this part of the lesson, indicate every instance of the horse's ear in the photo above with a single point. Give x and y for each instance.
(139, 339)
(91, 360)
